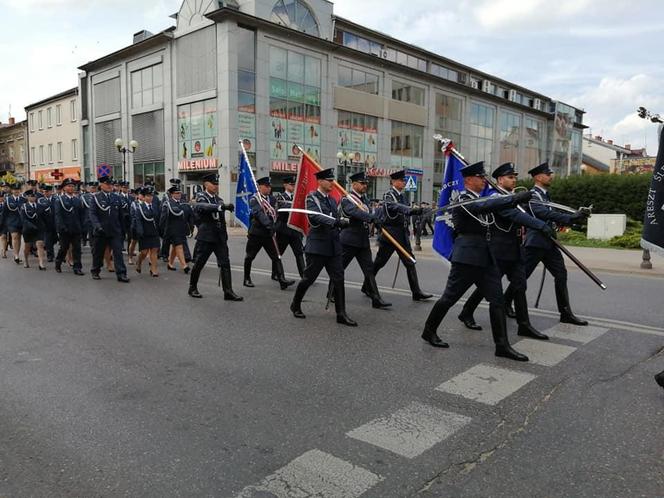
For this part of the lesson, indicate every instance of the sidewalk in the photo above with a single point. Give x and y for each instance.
(607, 260)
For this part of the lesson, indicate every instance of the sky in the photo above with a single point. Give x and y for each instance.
(603, 56)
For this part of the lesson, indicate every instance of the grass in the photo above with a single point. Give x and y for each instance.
(630, 240)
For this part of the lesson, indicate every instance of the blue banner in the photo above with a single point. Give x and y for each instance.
(443, 235)
(246, 189)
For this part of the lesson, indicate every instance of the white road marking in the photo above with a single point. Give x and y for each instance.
(543, 352)
(575, 333)
(411, 431)
(486, 383)
(314, 474)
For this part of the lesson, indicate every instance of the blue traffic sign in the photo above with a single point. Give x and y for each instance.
(411, 183)
(103, 170)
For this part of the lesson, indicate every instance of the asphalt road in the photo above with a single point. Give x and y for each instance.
(113, 390)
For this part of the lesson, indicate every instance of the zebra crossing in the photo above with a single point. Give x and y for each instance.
(412, 430)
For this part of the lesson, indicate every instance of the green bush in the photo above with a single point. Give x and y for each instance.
(609, 194)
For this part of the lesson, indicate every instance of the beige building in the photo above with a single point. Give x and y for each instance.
(13, 148)
(53, 138)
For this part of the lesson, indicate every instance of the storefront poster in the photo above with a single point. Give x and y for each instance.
(278, 88)
(343, 138)
(197, 121)
(278, 150)
(295, 132)
(184, 121)
(312, 134)
(357, 141)
(210, 147)
(370, 142)
(246, 125)
(279, 128)
(197, 148)
(210, 120)
(184, 150)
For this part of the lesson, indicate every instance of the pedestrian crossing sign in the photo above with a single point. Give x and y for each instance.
(411, 183)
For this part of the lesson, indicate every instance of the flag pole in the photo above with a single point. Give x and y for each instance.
(384, 232)
(253, 179)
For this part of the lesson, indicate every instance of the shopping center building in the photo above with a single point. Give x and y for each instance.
(284, 74)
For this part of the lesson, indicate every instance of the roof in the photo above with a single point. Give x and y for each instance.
(594, 163)
(66, 93)
(602, 143)
(153, 40)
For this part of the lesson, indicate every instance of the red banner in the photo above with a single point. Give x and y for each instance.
(306, 183)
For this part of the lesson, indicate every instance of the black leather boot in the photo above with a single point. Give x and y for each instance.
(227, 285)
(274, 271)
(365, 286)
(247, 274)
(193, 281)
(281, 277)
(299, 261)
(566, 315)
(523, 320)
(466, 315)
(499, 331)
(434, 319)
(330, 292)
(376, 301)
(432, 338)
(509, 297)
(414, 283)
(469, 321)
(340, 305)
(296, 304)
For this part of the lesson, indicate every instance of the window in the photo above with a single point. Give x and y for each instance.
(481, 134)
(449, 113)
(510, 133)
(50, 153)
(147, 87)
(32, 121)
(41, 154)
(358, 80)
(444, 72)
(356, 42)
(72, 110)
(106, 97)
(33, 156)
(406, 145)
(197, 132)
(152, 172)
(295, 14)
(357, 135)
(40, 120)
(22, 152)
(246, 71)
(405, 92)
(58, 115)
(49, 117)
(59, 152)
(534, 145)
(295, 93)
(74, 150)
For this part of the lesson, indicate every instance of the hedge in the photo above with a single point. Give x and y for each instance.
(609, 194)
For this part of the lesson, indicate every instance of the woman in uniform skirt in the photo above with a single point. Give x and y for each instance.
(13, 226)
(147, 231)
(3, 229)
(176, 223)
(33, 221)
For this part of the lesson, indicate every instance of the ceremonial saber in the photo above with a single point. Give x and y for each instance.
(541, 288)
(384, 232)
(305, 211)
(253, 179)
(498, 188)
(396, 273)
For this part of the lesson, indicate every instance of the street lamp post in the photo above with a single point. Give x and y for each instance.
(133, 145)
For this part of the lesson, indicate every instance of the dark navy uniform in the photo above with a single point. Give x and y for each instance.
(145, 225)
(86, 203)
(106, 220)
(287, 236)
(323, 250)
(261, 235)
(176, 221)
(50, 235)
(212, 238)
(13, 205)
(506, 248)
(33, 222)
(473, 263)
(355, 237)
(69, 224)
(396, 223)
(540, 248)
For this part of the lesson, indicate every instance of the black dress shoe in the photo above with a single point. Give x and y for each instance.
(344, 319)
(171, 268)
(123, 279)
(232, 296)
(659, 378)
(568, 317)
(527, 330)
(285, 284)
(42, 268)
(508, 352)
(379, 304)
(95, 275)
(297, 311)
(79, 273)
(422, 296)
(432, 338)
(248, 283)
(469, 322)
(193, 292)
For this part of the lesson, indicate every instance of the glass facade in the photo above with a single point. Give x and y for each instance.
(510, 137)
(406, 145)
(295, 93)
(197, 131)
(246, 76)
(480, 146)
(147, 86)
(357, 137)
(449, 116)
(564, 160)
(358, 80)
(150, 172)
(296, 15)
(534, 144)
(405, 92)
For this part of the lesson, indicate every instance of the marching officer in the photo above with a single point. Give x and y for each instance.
(262, 233)
(473, 262)
(176, 223)
(69, 225)
(540, 247)
(13, 223)
(323, 248)
(506, 248)
(355, 237)
(212, 237)
(287, 236)
(33, 223)
(397, 212)
(106, 220)
(3, 228)
(50, 235)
